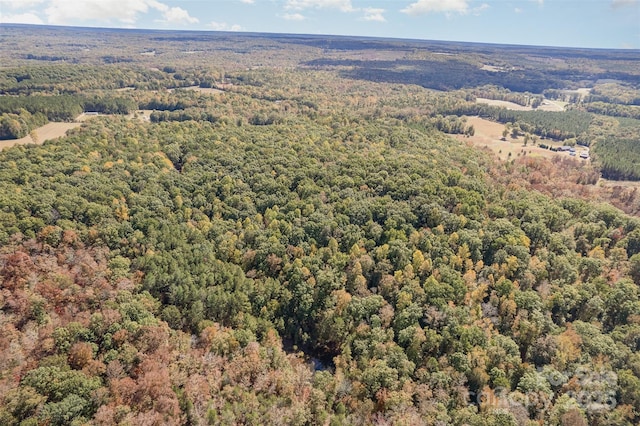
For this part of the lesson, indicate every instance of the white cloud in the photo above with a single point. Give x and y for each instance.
(247, 1)
(223, 26)
(21, 18)
(342, 5)
(294, 17)
(19, 4)
(422, 7)
(177, 15)
(517, 10)
(622, 3)
(373, 14)
(478, 10)
(540, 2)
(65, 12)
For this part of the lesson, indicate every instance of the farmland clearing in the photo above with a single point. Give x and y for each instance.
(488, 134)
(44, 133)
(547, 105)
(204, 90)
(56, 130)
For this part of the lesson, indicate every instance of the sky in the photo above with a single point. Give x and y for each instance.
(571, 23)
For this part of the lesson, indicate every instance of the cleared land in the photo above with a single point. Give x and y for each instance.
(547, 105)
(207, 90)
(57, 130)
(488, 134)
(47, 132)
(582, 91)
(503, 104)
(141, 114)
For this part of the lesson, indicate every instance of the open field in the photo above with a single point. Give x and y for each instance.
(488, 134)
(582, 91)
(47, 132)
(551, 105)
(57, 130)
(547, 105)
(504, 104)
(142, 114)
(206, 90)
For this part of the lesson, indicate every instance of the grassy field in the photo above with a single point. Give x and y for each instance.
(488, 134)
(47, 132)
(206, 90)
(547, 105)
(57, 130)
(505, 104)
(552, 105)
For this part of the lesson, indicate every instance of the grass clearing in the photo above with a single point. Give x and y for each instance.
(488, 134)
(551, 105)
(47, 132)
(57, 130)
(547, 105)
(504, 104)
(205, 90)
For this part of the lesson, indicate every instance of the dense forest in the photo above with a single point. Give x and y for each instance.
(297, 246)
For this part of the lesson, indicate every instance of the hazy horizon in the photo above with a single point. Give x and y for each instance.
(609, 24)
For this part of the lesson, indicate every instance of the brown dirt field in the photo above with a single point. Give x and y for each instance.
(488, 134)
(47, 132)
